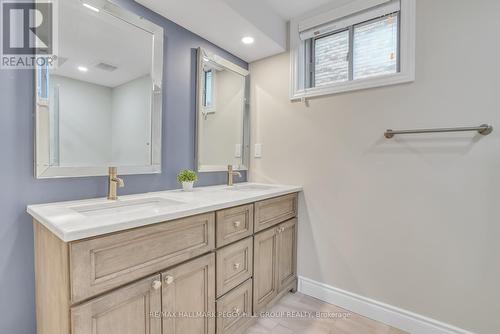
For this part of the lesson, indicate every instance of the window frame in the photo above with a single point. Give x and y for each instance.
(300, 61)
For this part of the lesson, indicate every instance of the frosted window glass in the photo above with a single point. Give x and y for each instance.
(331, 59)
(376, 48)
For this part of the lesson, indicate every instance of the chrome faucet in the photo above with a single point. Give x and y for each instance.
(114, 182)
(231, 174)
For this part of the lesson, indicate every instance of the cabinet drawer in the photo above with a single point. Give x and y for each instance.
(234, 265)
(103, 263)
(274, 211)
(234, 224)
(234, 310)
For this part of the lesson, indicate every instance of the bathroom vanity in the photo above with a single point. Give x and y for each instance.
(166, 262)
(172, 262)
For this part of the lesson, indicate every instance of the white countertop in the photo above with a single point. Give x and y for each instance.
(74, 220)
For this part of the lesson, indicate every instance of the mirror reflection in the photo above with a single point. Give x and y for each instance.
(103, 94)
(222, 114)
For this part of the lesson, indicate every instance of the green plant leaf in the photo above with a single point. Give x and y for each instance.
(187, 175)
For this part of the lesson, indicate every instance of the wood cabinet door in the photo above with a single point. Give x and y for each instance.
(287, 253)
(265, 270)
(188, 297)
(128, 310)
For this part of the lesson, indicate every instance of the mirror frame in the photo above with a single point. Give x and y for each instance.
(42, 167)
(245, 158)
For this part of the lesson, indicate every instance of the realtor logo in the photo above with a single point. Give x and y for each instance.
(28, 33)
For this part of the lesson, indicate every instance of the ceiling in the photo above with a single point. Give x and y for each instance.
(87, 38)
(226, 22)
(293, 8)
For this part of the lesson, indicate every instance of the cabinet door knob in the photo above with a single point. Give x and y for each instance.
(236, 266)
(237, 223)
(156, 284)
(169, 279)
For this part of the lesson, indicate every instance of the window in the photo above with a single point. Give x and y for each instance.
(208, 97)
(353, 47)
(208, 91)
(374, 47)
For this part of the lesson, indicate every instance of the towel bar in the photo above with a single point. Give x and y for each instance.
(483, 129)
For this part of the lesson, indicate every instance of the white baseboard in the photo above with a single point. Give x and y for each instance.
(405, 320)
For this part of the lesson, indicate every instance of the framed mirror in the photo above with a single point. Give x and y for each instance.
(100, 104)
(222, 117)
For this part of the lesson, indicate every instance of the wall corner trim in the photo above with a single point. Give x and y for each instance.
(402, 319)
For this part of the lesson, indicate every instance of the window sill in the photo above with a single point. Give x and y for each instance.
(349, 86)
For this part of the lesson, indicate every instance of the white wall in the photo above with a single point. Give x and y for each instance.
(131, 123)
(84, 122)
(100, 125)
(413, 221)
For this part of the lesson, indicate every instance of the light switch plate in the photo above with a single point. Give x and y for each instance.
(258, 151)
(237, 150)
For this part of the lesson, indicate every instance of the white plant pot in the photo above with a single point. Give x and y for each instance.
(187, 186)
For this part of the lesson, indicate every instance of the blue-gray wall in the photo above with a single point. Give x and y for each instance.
(18, 187)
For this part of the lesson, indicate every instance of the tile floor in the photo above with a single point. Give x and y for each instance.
(336, 321)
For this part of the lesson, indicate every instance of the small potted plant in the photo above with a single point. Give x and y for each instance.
(187, 178)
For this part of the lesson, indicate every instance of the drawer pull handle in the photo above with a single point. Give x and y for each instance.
(156, 284)
(236, 310)
(237, 224)
(169, 279)
(236, 266)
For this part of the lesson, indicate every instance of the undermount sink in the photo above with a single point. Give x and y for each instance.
(125, 206)
(250, 187)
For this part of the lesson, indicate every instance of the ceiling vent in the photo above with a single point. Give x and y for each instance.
(106, 67)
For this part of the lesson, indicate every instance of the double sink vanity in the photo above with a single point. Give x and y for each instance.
(206, 261)
(171, 262)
